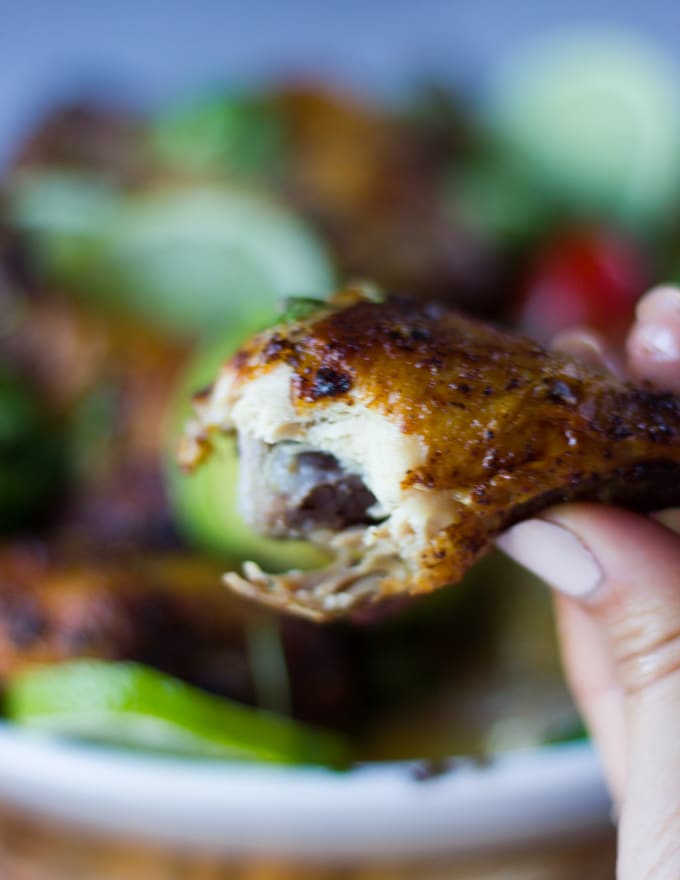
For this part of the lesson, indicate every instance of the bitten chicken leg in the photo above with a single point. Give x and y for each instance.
(404, 437)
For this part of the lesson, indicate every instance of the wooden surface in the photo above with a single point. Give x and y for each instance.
(31, 850)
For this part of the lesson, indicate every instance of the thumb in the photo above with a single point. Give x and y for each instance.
(623, 571)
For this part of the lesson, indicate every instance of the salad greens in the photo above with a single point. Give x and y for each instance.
(32, 462)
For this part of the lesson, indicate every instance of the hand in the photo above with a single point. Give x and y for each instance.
(617, 582)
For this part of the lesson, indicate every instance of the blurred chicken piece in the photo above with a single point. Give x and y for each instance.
(404, 437)
(371, 179)
(110, 380)
(83, 136)
(373, 183)
(169, 612)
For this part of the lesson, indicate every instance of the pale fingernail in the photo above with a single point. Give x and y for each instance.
(554, 554)
(660, 303)
(661, 343)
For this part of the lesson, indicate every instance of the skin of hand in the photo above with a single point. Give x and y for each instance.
(616, 577)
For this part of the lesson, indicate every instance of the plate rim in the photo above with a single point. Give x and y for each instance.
(305, 812)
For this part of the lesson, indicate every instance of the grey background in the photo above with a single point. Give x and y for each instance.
(152, 50)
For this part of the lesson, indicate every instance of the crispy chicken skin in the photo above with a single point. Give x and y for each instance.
(454, 428)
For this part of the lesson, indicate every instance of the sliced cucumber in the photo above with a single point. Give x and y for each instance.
(131, 705)
(197, 259)
(597, 119)
(187, 259)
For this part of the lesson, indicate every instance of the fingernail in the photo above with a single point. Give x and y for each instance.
(554, 554)
(662, 343)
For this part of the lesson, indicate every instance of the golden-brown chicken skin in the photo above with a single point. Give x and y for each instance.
(443, 430)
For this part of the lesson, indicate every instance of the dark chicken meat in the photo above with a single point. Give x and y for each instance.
(457, 429)
(287, 491)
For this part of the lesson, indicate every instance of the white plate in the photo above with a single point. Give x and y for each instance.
(372, 811)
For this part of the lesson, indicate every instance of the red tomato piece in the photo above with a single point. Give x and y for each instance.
(584, 277)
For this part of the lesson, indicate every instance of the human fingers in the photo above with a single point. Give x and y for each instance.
(653, 344)
(623, 571)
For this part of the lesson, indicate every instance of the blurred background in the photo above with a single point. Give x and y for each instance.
(155, 51)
